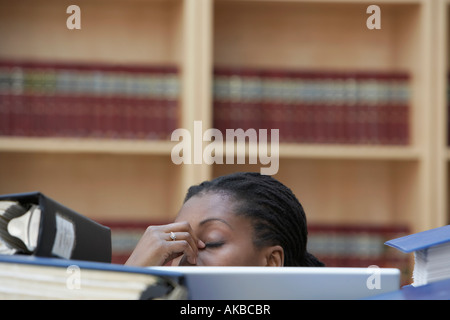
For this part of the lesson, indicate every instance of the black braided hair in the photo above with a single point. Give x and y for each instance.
(276, 214)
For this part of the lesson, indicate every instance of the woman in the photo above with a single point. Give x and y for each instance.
(241, 219)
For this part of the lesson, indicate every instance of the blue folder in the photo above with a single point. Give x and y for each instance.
(64, 263)
(439, 290)
(421, 240)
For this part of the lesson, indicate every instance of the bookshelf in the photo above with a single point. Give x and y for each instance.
(441, 83)
(331, 36)
(134, 180)
(89, 173)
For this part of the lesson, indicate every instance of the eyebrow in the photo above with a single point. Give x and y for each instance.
(214, 219)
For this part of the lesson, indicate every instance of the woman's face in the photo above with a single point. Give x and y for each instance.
(227, 237)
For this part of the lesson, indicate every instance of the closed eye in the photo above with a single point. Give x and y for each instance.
(212, 245)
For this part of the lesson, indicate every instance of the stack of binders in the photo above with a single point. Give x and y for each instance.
(37, 278)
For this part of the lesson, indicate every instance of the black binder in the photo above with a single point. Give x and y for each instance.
(64, 233)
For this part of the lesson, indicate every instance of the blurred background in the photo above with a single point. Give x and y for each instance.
(86, 114)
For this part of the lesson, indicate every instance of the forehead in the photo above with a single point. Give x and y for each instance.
(206, 206)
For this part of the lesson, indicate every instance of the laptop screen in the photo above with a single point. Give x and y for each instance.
(249, 283)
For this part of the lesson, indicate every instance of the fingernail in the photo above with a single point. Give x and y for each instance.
(201, 244)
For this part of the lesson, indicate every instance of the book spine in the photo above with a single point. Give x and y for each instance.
(315, 107)
(88, 100)
(358, 246)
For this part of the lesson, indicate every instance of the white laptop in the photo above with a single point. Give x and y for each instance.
(287, 283)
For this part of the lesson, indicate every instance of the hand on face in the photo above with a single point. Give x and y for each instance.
(161, 244)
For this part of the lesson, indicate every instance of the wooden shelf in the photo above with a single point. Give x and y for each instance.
(328, 151)
(366, 2)
(143, 32)
(447, 155)
(85, 145)
(441, 101)
(150, 147)
(349, 152)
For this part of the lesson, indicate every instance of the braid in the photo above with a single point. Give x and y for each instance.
(277, 216)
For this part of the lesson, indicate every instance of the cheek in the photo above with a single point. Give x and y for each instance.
(215, 257)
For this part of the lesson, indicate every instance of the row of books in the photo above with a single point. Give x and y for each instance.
(315, 107)
(354, 242)
(93, 117)
(141, 102)
(88, 100)
(156, 82)
(358, 246)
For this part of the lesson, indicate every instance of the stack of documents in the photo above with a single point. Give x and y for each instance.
(432, 264)
(431, 254)
(30, 277)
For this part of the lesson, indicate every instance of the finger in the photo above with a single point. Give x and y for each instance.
(185, 236)
(179, 247)
(178, 226)
(183, 226)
